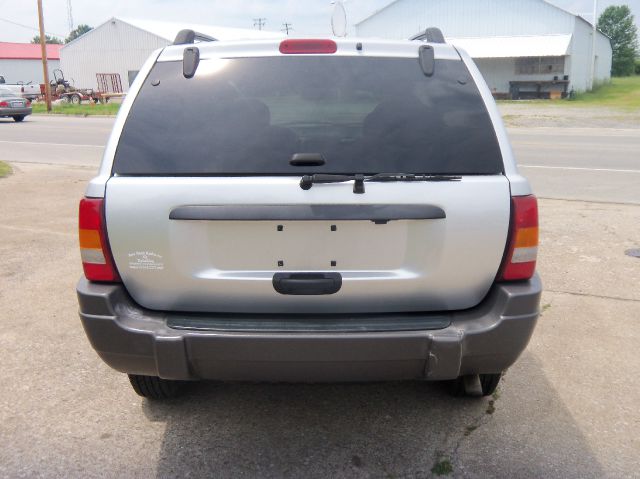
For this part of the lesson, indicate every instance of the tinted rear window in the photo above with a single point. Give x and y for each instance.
(363, 115)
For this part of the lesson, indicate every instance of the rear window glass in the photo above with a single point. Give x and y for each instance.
(364, 115)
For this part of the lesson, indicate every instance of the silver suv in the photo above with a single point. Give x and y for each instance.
(309, 210)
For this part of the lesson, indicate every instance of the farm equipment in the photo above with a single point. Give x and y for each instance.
(62, 90)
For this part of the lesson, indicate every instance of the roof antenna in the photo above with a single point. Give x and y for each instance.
(339, 19)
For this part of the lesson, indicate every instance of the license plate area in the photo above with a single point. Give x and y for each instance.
(304, 245)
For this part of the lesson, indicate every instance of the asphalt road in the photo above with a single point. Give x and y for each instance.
(568, 408)
(593, 164)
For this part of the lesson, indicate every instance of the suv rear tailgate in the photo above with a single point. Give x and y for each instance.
(228, 265)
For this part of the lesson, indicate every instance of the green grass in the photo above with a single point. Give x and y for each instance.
(5, 170)
(443, 467)
(623, 93)
(85, 109)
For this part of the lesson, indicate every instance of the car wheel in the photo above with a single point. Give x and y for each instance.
(489, 383)
(18, 118)
(461, 387)
(76, 99)
(152, 387)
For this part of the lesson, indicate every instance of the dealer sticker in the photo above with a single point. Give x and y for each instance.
(145, 260)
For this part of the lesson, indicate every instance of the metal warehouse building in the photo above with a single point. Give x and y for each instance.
(121, 47)
(22, 62)
(524, 48)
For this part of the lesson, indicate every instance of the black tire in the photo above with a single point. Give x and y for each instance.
(18, 118)
(76, 99)
(488, 382)
(152, 387)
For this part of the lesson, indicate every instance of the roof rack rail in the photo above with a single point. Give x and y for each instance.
(431, 35)
(187, 37)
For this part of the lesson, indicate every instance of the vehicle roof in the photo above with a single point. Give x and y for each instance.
(371, 47)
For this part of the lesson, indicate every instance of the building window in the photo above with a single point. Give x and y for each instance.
(539, 65)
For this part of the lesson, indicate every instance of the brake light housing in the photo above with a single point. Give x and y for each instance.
(4, 104)
(308, 46)
(97, 260)
(522, 247)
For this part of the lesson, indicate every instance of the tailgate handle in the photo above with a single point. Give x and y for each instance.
(307, 284)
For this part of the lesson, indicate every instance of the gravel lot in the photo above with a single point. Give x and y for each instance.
(568, 408)
(533, 114)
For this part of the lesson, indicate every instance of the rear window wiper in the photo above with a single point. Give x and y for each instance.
(307, 181)
(382, 177)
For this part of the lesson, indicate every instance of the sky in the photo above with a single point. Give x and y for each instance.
(308, 17)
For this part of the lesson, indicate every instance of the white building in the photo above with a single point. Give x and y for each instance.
(521, 46)
(22, 62)
(122, 46)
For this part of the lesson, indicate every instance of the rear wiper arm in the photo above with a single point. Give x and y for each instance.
(307, 181)
(383, 177)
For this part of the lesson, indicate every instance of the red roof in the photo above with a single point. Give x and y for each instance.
(27, 51)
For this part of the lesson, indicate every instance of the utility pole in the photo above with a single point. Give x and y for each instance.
(43, 48)
(259, 22)
(593, 44)
(287, 27)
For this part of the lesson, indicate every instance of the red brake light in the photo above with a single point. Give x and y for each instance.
(307, 46)
(97, 260)
(4, 104)
(522, 248)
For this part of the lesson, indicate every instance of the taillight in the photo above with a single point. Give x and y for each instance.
(308, 46)
(3, 104)
(97, 260)
(522, 248)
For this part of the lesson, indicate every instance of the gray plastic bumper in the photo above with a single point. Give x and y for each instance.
(485, 339)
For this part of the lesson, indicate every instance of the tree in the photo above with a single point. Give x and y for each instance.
(617, 22)
(81, 30)
(47, 39)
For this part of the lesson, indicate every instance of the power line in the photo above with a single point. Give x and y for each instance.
(29, 28)
(259, 22)
(287, 27)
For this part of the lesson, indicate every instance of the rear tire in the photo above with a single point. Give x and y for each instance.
(152, 387)
(18, 118)
(488, 383)
(76, 99)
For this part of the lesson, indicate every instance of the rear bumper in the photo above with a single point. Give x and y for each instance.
(15, 111)
(485, 339)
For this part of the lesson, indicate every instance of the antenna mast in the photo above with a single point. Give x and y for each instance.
(70, 15)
